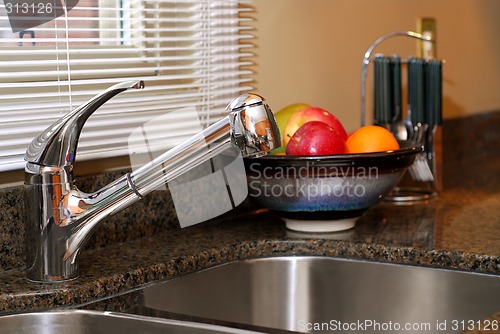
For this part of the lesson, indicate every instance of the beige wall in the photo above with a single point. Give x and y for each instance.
(311, 50)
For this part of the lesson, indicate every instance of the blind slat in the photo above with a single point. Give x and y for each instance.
(13, 125)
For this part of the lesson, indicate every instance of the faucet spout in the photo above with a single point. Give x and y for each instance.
(60, 218)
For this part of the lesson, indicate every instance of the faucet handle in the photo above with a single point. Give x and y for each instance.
(253, 126)
(56, 146)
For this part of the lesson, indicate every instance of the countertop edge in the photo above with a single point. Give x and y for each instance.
(88, 289)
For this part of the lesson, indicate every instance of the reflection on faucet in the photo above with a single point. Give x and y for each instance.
(60, 218)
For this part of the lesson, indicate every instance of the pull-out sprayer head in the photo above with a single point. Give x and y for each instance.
(253, 126)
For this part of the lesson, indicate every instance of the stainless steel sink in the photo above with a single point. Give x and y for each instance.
(321, 294)
(94, 322)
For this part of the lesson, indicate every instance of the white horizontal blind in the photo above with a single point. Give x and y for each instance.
(188, 52)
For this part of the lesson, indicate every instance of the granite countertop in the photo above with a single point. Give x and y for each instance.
(457, 230)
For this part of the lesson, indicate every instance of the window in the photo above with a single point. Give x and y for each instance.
(189, 53)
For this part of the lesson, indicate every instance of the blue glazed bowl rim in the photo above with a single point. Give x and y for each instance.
(408, 150)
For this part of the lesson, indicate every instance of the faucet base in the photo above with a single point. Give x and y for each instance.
(51, 279)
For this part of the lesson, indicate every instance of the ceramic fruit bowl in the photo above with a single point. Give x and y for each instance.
(326, 193)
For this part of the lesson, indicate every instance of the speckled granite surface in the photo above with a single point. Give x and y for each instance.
(153, 214)
(457, 230)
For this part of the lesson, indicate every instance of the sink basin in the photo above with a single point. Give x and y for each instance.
(318, 294)
(94, 322)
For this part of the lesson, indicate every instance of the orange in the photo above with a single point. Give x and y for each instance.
(371, 138)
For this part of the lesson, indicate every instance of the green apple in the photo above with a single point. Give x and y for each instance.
(311, 114)
(282, 117)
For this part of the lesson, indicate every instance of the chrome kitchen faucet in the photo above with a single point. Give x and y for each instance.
(60, 218)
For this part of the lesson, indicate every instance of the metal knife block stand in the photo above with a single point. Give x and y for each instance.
(423, 119)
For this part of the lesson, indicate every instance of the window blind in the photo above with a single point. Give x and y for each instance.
(190, 53)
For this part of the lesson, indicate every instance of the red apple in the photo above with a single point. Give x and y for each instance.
(316, 138)
(311, 114)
